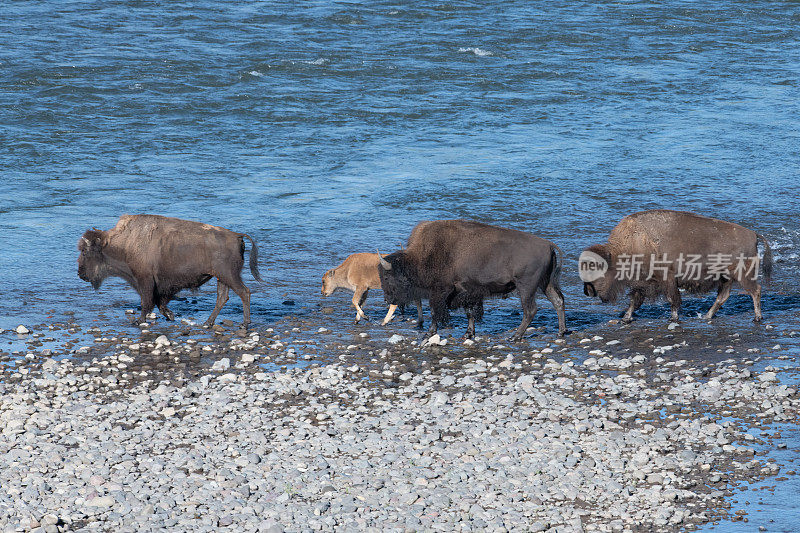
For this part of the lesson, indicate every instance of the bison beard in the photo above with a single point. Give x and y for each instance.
(458, 263)
(160, 256)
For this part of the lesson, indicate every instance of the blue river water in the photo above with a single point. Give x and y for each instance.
(325, 128)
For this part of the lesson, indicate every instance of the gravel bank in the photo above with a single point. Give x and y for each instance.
(399, 438)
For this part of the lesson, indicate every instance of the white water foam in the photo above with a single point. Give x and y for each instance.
(477, 51)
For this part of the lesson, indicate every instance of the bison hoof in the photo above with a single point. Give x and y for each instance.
(758, 319)
(564, 333)
(626, 319)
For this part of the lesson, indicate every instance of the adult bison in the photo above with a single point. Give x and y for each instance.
(659, 252)
(159, 256)
(458, 263)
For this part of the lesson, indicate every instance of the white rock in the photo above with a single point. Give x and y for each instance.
(168, 412)
(221, 365)
(394, 339)
(101, 501)
(248, 358)
(162, 340)
(22, 330)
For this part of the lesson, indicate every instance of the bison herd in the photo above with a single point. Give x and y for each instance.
(451, 263)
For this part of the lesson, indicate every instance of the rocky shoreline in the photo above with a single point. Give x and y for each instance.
(292, 430)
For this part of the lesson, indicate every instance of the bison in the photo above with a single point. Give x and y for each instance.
(660, 252)
(359, 273)
(159, 256)
(458, 263)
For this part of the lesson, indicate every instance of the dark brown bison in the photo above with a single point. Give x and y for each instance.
(458, 263)
(659, 252)
(159, 256)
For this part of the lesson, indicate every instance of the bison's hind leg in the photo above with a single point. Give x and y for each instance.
(222, 299)
(722, 296)
(528, 299)
(162, 298)
(556, 298)
(753, 288)
(234, 281)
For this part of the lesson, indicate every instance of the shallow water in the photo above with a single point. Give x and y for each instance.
(324, 129)
(327, 128)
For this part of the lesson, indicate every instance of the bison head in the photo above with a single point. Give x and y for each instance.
(92, 265)
(396, 282)
(600, 282)
(328, 285)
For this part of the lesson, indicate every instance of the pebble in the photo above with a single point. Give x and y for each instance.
(415, 441)
(22, 330)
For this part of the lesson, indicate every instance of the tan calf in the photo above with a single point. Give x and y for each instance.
(357, 273)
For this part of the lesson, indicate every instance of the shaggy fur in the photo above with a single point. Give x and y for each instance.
(159, 256)
(459, 263)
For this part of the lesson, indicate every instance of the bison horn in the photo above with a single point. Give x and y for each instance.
(86, 241)
(384, 263)
(586, 287)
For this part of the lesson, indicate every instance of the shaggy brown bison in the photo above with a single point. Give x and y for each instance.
(458, 263)
(159, 256)
(659, 252)
(359, 273)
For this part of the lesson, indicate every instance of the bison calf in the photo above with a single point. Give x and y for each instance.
(359, 273)
(159, 256)
(458, 263)
(659, 252)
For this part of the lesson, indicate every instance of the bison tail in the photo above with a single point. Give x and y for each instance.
(555, 273)
(766, 263)
(253, 258)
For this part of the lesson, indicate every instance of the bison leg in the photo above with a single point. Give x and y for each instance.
(147, 293)
(235, 282)
(222, 299)
(168, 314)
(556, 298)
(637, 299)
(528, 312)
(470, 324)
(754, 290)
(359, 297)
(674, 298)
(389, 315)
(722, 296)
(438, 303)
(420, 316)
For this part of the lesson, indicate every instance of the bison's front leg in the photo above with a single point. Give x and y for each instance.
(146, 289)
(359, 297)
(470, 323)
(674, 298)
(637, 299)
(438, 303)
(420, 316)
